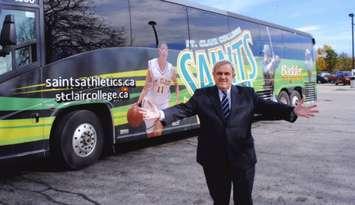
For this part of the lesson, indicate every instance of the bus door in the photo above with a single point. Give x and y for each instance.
(21, 126)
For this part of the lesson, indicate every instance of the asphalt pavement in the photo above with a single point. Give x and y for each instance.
(311, 161)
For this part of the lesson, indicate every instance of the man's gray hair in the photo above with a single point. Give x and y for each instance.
(222, 63)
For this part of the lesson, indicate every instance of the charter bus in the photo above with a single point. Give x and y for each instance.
(55, 54)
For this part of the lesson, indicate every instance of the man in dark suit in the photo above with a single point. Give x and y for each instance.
(225, 145)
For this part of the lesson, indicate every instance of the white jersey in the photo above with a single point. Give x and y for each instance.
(159, 91)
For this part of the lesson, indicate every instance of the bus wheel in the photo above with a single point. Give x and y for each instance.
(295, 97)
(78, 139)
(284, 98)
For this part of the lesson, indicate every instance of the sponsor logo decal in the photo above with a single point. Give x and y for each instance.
(291, 72)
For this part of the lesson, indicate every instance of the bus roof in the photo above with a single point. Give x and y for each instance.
(227, 13)
(202, 7)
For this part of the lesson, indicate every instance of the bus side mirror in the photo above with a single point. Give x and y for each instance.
(8, 35)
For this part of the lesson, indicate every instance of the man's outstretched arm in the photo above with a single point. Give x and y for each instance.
(274, 110)
(174, 113)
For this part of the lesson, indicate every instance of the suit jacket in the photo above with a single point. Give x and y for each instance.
(227, 141)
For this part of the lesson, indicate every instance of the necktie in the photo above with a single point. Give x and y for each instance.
(225, 105)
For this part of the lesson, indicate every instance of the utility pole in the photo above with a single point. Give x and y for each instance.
(351, 15)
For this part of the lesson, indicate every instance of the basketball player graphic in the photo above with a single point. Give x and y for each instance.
(309, 63)
(270, 63)
(156, 92)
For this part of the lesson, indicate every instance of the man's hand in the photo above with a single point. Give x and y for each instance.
(307, 112)
(149, 114)
(150, 111)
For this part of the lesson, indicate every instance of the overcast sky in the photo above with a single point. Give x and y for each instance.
(326, 20)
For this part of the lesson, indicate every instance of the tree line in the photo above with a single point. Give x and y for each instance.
(328, 60)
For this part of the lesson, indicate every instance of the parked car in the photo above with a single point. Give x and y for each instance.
(325, 77)
(343, 77)
(331, 78)
(321, 79)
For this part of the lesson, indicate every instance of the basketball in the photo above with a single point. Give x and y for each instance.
(134, 118)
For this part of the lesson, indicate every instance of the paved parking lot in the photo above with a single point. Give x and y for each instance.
(311, 161)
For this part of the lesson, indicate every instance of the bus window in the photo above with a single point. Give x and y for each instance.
(5, 64)
(170, 19)
(26, 55)
(26, 38)
(84, 26)
(272, 41)
(296, 45)
(25, 52)
(5, 61)
(255, 31)
(206, 25)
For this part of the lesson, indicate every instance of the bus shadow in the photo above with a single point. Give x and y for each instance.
(23, 165)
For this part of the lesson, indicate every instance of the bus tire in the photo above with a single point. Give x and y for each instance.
(284, 98)
(78, 139)
(295, 97)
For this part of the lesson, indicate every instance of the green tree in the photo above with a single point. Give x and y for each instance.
(320, 62)
(343, 62)
(330, 58)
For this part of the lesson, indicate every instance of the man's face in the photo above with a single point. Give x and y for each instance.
(223, 76)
